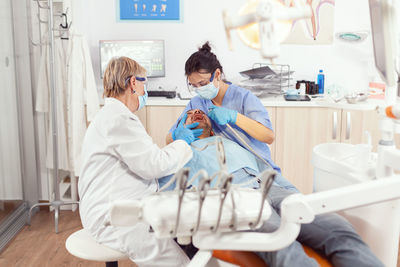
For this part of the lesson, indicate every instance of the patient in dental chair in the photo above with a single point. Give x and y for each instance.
(329, 234)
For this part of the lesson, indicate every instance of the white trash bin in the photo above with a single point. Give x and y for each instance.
(337, 165)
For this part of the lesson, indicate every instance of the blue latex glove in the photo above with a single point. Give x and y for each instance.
(185, 132)
(222, 115)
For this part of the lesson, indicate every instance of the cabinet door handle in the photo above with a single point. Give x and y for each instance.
(334, 128)
(348, 126)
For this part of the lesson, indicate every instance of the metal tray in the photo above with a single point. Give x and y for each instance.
(257, 73)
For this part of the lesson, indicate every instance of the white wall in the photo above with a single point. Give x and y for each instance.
(344, 64)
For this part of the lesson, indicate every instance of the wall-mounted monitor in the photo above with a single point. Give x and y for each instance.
(148, 53)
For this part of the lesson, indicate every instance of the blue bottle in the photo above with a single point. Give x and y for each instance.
(321, 82)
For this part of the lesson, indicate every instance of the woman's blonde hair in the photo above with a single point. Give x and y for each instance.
(117, 74)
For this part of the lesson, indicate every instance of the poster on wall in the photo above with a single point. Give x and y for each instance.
(149, 9)
(319, 29)
(316, 30)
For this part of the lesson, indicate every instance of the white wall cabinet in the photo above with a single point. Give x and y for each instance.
(356, 122)
(297, 131)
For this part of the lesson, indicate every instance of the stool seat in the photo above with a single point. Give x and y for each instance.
(82, 245)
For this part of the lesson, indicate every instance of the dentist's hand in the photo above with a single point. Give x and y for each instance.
(185, 132)
(222, 115)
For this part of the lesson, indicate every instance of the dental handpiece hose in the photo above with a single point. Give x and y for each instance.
(248, 146)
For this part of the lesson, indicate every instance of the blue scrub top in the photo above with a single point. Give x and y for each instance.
(244, 102)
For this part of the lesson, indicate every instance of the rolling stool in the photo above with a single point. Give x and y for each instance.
(81, 245)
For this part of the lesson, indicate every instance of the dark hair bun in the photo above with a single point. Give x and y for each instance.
(206, 47)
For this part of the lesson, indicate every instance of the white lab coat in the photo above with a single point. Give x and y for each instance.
(119, 162)
(76, 92)
(43, 101)
(81, 90)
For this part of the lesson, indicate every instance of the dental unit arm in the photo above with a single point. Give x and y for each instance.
(385, 34)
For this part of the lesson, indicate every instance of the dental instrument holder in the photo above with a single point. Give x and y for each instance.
(221, 154)
(181, 183)
(57, 202)
(224, 184)
(174, 178)
(224, 187)
(266, 184)
(203, 187)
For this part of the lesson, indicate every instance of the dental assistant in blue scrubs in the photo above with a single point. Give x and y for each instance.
(227, 103)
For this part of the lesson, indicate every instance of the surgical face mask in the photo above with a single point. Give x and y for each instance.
(143, 98)
(208, 91)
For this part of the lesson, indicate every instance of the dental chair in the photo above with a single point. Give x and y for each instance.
(250, 259)
(219, 232)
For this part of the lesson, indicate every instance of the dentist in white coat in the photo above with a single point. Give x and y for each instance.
(120, 161)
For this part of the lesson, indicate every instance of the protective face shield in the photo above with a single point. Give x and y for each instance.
(208, 91)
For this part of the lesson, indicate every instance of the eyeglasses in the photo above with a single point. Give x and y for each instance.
(140, 79)
(192, 88)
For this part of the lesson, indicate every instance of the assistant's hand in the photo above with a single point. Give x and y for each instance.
(185, 132)
(222, 115)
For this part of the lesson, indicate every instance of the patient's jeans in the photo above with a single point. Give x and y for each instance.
(329, 234)
(245, 174)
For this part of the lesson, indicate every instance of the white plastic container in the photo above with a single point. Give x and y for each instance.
(337, 165)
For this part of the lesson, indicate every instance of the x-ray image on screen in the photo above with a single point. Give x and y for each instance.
(148, 53)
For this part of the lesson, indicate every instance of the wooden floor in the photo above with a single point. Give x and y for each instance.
(40, 246)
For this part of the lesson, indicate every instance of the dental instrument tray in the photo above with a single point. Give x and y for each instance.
(258, 73)
(160, 211)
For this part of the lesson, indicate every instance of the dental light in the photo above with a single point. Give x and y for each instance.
(264, 24)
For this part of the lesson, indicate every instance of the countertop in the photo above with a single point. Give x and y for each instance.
(279, 101)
